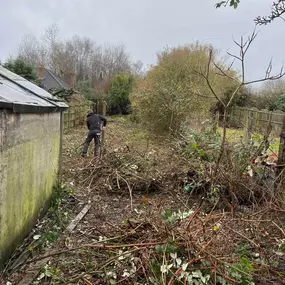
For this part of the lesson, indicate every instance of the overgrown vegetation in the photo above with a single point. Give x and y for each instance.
(243, 98)
(57, 216)
(156, 217)
(269, 95)
(121, 86)
(172, 93)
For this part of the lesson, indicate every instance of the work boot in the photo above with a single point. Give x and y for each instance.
(97, 151)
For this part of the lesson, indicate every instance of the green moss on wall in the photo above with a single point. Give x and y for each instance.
(30, 175)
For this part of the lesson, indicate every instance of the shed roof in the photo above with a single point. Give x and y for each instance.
(22, 96)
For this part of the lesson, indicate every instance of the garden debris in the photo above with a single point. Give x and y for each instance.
(154, 220)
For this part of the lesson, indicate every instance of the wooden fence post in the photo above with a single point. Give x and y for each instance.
(239, 114)
(251, 122)
(248, 125)
(281, 156)
(104, 108)
(68, 122)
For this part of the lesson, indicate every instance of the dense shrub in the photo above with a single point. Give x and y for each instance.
(121, 86)
(174, 91)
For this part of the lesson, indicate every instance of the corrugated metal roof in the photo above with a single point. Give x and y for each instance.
(18, 92)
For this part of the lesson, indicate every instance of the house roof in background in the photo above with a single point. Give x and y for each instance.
(22, 96)
(53, 81)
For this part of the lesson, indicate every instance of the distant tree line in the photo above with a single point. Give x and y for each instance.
(95, 66)
(168, 93)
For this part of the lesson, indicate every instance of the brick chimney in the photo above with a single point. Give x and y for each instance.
(71, 79)
(41, 71)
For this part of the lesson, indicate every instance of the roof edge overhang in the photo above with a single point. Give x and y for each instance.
(20, 108)
(55, 107)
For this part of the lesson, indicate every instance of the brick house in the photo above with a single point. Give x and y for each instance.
(57, 85)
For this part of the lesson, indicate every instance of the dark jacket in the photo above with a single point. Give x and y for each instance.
(94, 121)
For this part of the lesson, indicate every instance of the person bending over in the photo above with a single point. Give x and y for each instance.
(94, 131)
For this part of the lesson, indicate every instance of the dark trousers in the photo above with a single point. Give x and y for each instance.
(95, 134)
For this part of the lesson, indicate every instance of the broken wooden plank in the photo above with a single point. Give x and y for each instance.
(78, 218)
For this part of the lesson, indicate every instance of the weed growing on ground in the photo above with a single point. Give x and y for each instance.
(203, 146)
(58, 218)
(241, 272)
(242, 250)
(49, 273)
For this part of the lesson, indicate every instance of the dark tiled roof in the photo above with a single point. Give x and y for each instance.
(53, 81)
(21, 95)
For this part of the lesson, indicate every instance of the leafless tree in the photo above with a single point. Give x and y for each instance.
(137, 67)
(115, 59)
(243, 46)
(31, 51)
(89, 61)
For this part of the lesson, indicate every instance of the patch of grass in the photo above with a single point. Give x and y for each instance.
(233, 134)
(236, 135)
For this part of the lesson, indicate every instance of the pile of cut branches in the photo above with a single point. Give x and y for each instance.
(127, 170)
(187, 247)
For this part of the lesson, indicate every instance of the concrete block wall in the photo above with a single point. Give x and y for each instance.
(29, 158)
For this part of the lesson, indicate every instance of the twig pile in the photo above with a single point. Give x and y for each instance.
(170, 251)
(127, 170)
(176, 236)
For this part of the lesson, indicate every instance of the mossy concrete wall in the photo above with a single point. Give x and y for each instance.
(29, 156)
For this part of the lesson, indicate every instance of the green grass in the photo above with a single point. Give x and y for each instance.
(236, 135)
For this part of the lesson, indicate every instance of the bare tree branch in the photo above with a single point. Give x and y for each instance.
(243, 49)
(277, 10)
(206, 77)
(236, 57)
(223, 73)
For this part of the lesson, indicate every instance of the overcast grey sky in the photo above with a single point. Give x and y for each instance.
(146, 26)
